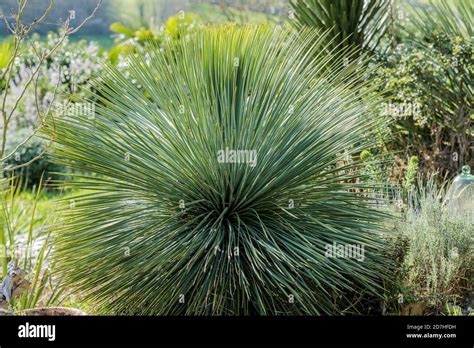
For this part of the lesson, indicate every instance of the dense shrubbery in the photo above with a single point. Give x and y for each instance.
(431, 100)
(438, 264)
(43, 167)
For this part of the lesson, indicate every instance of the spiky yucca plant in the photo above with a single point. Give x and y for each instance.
(164, 227)
(452, 17)
(359, 24)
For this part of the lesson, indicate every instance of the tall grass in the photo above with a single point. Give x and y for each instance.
(25, 244)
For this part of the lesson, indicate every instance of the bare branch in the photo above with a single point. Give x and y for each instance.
(45, 55)
(19, 145)
(7, 24)
(20, 32)
(38, 109)
(76, 29)
(13, 168)
(38, 20)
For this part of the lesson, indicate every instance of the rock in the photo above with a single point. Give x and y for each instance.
(53, 311)
(13, 284)
(417, 308)
(4, 312)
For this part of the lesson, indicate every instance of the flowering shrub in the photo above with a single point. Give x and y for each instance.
(63, 77)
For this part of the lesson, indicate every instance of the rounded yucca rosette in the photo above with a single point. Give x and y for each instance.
(213, 181)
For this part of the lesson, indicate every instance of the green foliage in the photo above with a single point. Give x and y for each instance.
(165, 222)
(140, 34)
(122, 49)
(410, 175)
(352, 23)
(32, 174)
(439, 261)
(451, 17)
(455, 310)
(132, 40)
(365, 155)
(6, 51)
(122, 29)
(376, 169)
(25, 242)
(431, 100)
(175, 25)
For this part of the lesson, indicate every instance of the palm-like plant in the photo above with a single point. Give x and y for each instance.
(359, 24)
(164, 228)
(452, 17)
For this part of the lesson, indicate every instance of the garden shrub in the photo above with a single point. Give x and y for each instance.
(43, 167)
(63, 78)
(177, 221)
(131, 39)
(429, 79)
(438, 265)
(62, 81)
